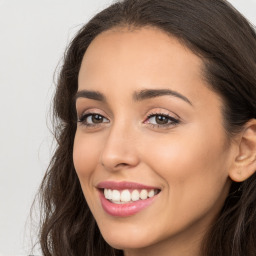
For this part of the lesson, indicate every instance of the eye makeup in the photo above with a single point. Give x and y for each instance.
(157, 119)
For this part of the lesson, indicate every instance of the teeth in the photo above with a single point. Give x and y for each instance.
(108, 193)
(126, 196)
(143, 194)
(116, 196)
(135, 195)
(151, 193)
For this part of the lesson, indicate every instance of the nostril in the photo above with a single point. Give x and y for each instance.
(121, 164)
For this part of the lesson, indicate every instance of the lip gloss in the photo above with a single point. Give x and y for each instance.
(123, 209)
(126, 209)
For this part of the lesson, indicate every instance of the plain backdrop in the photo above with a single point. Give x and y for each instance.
(33, 37)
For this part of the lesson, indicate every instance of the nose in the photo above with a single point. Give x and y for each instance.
(119, 151)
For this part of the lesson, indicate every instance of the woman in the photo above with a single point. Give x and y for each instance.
(155, 121)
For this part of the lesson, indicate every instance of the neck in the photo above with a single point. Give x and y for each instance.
(183, 244)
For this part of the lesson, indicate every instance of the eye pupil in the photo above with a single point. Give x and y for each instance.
(97, 119)
(161, 119)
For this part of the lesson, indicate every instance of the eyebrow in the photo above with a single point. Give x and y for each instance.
(152, 93)
(93, 95)
(137, 96)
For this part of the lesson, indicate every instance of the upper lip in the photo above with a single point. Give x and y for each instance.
(123, 185)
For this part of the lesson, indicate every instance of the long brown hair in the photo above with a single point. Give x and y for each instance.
(226, 43)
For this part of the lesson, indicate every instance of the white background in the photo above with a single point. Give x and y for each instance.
(33, 37)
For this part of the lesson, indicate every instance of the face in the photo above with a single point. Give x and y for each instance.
(150, 135)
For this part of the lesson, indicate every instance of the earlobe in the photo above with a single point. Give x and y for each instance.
(244, 164)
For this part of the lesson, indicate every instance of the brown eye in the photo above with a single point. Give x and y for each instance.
(96, 119)
(92, 119)
(161, 119)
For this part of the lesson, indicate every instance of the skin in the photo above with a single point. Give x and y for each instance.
(189, 161)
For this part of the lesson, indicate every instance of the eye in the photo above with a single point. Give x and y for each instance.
(92, 119)
(161, 120)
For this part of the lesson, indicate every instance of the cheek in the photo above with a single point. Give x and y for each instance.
(194, 150)
(193, 167)
(85, 156)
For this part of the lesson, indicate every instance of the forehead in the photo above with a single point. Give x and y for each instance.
(123, 60)
(140, 50)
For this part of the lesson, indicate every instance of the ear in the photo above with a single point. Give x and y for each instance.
(244, 164)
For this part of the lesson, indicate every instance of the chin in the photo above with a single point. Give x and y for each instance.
(127, 239)
(125, 244)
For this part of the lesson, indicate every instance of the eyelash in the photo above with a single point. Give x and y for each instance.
(171, 120)
(83, 120)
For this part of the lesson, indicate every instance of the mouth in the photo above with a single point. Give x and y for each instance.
(128, 195)
(125, 198)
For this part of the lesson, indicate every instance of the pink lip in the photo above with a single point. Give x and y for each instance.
(123, 185)
(128, 209)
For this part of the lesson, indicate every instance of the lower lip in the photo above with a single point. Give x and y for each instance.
(125, 210)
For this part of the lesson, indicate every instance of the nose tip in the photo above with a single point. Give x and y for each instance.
(119, 153)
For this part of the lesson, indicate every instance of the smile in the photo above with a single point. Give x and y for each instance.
(128, 196)
(123, 199)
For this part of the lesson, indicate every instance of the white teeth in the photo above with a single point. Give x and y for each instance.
(143, 194)
(116, 195)
(126, 196)
(135, 195)
(106, 193)
(151, 193)
(109, 194)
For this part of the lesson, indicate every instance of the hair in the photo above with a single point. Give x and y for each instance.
(226, 43)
